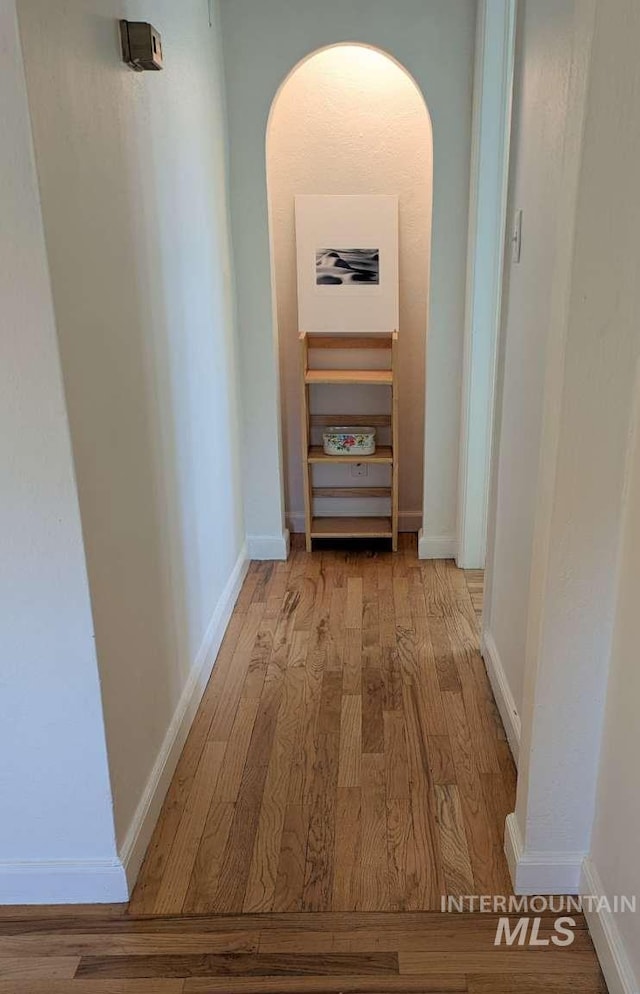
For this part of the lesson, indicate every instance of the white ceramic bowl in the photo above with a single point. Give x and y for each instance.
(343, 440)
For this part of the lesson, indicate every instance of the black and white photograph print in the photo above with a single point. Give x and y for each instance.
(341, 267)
(342, 288)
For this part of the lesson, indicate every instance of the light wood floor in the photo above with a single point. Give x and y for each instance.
(347, 761)
(347, 755)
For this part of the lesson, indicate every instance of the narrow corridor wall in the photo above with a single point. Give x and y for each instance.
(57, 839)
(572, 832)
(544, 56)
(133, 185)
(613, 866)
(577, 815)
(607, 347)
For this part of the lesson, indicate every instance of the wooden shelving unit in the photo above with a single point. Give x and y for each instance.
(383, 453)
(361, 526)
(353, 376)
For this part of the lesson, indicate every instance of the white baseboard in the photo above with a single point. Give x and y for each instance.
(436, 546)
(105, 881)
(502, 692)
(540, 872)
(607, 940)
(139, 834)
(268, 546)
(408, 521)
(63, 881)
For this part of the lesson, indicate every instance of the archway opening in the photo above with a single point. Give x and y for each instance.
(350, 120)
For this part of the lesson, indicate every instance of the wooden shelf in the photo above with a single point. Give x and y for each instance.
(383, 454)
(354, 342)
(354, 420)
(361, 527)
(349, 376)
(358, 492)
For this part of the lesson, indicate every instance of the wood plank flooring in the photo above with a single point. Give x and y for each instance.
(370, 953)
(346, 768)
(347, 755)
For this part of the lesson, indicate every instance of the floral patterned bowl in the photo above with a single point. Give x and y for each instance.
(345, 441)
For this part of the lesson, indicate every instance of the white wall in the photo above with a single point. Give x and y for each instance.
(544, 59)
(132, 177)
(572, 830)
(582, 596)
(489, 181)
(435, 43)
(349, 120)
(56, 799)
(614, 847)
(608, 302)
(588, 402)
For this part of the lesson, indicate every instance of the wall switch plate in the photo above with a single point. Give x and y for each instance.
(516, 237)
(359, 469)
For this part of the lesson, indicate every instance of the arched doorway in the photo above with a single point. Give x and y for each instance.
(350, 120)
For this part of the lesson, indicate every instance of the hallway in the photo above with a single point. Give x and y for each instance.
(347, 754)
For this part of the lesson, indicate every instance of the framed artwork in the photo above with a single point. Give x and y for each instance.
(347, 257)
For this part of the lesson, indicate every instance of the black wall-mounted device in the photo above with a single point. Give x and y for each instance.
(141, 45)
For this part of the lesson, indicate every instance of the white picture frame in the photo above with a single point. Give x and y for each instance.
(361, 295)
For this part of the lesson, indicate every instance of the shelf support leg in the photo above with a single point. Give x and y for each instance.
(394, 441)
(305, 430)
